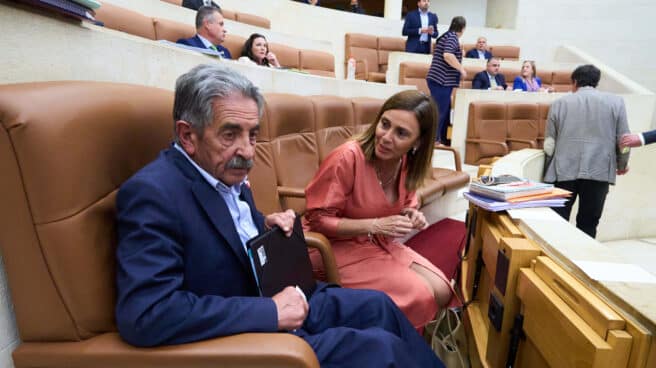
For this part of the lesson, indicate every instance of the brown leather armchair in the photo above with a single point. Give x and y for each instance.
(65, 148)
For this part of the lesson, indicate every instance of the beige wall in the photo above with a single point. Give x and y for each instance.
(501, 14)
(473, 10)
(619, 33)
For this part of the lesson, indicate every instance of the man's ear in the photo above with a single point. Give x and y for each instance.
(186, 136)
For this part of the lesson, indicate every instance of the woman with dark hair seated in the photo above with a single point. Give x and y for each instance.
(256, 50)
(363, 199)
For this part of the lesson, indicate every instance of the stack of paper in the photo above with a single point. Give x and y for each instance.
(507, 191)
(495, 205)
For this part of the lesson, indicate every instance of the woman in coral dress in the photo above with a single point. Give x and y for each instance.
(363, 199)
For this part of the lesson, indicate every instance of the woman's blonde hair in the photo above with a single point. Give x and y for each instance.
(419, 161)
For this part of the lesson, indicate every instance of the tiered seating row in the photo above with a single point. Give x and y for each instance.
(414, 73)
(121, 19)
(251, 19)
(496, 128)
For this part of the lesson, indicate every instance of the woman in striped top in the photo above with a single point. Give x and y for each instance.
(445, 72)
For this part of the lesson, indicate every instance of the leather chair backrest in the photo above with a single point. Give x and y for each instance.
(543, 113)
(254, 20)
(365, 110)
(505, 52)
(234, 44)
(317, 63)
(414, 74)
(62, 161)
(387, 45)
(333, 117)
(125, 20)
(171, 30)
(229, 14)
(362, 47)
(562, 81)
(471, 72)
(487, 120)
(546, 77)
(287, 56)
(522, 121)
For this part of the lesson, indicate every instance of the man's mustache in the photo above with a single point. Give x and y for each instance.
(239, 163)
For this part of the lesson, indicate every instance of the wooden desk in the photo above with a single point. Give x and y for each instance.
(528, 268)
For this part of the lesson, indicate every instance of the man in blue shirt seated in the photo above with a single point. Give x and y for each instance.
(183, 273)
(210, 31)
(490, 78)
(480, 51)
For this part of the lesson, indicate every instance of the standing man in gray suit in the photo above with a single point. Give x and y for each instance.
(582, 146)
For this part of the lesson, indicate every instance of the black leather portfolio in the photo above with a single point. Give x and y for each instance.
(280, 261)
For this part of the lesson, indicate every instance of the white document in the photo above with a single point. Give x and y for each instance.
(616, 272)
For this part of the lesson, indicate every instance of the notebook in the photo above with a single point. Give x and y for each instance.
(280, 261)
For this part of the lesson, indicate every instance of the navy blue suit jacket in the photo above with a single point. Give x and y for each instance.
(649, 136)
(197, 42)
(473, 54)
(182, 273)
(411, 29)
(481, 80)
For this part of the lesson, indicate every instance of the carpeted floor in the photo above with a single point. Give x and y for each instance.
(441, 243)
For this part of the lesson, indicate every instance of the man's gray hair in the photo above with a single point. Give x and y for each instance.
(196, 91)
(204, 13)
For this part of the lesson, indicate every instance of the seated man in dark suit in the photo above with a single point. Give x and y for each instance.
(195, 4)
(490, 78)
(210, 32)
(480, 51)
(183, 273)
(420, 26)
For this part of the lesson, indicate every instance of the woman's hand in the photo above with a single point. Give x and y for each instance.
(271, 57)
(417, 218)
(392, 226)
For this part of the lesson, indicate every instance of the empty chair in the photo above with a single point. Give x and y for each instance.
(125, 20)
(486, 132)
(254, 20)
(171, 30)
(562, 81)
(364, 49)
(287, 56)
(523, 128)
(505, 52)
(543, 113)
(414, 74)
(387, 45)
(317, 63)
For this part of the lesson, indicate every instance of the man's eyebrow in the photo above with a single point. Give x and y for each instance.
(230, 126)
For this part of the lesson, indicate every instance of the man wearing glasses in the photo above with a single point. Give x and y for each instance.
(490, 78)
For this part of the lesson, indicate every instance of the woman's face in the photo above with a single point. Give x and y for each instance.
(527, 70)
(259, 49)
(396, 133)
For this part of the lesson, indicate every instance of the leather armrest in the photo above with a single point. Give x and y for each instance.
(456, 154)
(291, 192)
(321, 243)
(531, 143)
(109, 351)
(503, 145)
(361, 68)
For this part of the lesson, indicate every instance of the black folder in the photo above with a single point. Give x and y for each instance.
(280, 261)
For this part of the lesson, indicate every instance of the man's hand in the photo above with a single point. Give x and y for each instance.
(622, 172)
(417, 218)
(285, 220)
(630, 140)
(463, 72)
(291, 307)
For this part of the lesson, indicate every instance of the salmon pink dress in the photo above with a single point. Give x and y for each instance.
(346, 186)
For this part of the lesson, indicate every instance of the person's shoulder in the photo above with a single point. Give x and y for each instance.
(184, 41)
(518, 79)
(159, 173)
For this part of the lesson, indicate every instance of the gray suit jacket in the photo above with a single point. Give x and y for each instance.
(586, 127)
